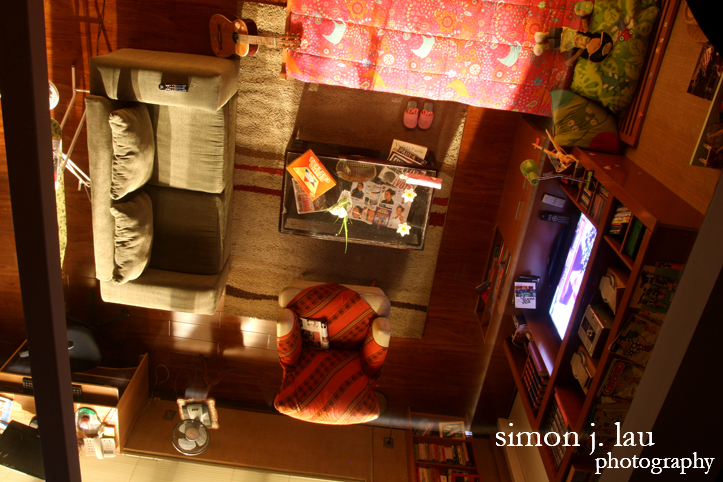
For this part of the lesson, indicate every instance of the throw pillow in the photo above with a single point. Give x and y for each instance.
(133, 236)
(583, 123)
(134, 149)
(613, 81)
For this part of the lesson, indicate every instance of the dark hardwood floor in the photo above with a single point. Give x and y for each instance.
(442, 373)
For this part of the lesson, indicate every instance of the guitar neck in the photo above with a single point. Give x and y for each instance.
(257, 40)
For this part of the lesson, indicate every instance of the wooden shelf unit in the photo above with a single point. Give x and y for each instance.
(511, 221)
(670, 229)
(433, 438)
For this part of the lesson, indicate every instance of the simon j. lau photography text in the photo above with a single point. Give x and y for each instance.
(603, 458)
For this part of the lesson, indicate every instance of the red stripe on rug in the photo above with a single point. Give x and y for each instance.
(257, 190)
(441, 201)
(437, 219)
(267, 170)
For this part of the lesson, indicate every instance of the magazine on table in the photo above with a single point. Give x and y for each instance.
(306, 205)
(315, 332)
(407, 153)
(383, 203)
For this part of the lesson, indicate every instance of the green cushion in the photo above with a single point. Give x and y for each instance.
(134, 149)
(583, 123)
(133, 236)
(612, 82)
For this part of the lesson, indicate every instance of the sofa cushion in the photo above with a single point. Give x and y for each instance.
(133, 236)
(189, 230)
(133, 149)
(583, 123)
(194, 148)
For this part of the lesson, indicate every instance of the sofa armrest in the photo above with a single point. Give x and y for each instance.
(134, 75)
(169, 290)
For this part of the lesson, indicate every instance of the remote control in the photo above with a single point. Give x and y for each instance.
(555, 218)
(174, 87)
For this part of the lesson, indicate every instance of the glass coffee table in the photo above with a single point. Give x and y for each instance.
(376, 195)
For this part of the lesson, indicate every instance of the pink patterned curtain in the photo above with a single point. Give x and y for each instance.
(475, 52)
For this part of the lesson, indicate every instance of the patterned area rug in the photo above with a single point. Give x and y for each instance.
(271, 113)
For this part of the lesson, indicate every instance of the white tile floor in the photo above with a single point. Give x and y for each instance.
(140, 469)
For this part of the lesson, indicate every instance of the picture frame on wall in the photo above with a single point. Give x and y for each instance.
(451, 429)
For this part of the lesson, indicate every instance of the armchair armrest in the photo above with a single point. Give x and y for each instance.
(376, 345)
(288, 338)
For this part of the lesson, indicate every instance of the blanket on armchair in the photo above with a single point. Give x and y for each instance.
(334, 386)
(475, 52)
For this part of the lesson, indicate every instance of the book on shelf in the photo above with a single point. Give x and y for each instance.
(537, 360)
(635, 237)
(620, 221)
(656, 287)
(569, 401)
(598, 205)
(604, 416)
(484, 287)
(636, 339)
(499, 276)
(621, 380)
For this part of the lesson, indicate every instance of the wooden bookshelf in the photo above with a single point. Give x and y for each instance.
(424, 438)
(670, 228)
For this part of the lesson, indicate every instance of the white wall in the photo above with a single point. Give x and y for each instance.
(524, 463)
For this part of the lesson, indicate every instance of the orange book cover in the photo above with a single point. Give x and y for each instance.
(311, 174)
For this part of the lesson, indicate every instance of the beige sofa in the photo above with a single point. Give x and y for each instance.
(174, 255)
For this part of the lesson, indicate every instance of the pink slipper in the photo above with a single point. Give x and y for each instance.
(411, 115)
(426, 116)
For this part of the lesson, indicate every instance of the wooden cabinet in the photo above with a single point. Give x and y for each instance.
(431, 456)
(117, 395)
(666, 228)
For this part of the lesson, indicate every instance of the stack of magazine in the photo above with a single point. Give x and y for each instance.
(407, 153)
(315, 333)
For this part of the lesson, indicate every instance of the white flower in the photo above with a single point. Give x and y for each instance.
(409, 195)
(403, 229)
(339, 211)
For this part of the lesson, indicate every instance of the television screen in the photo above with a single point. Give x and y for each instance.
(572, 273)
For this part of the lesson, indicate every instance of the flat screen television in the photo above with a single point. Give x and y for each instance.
(568, 286)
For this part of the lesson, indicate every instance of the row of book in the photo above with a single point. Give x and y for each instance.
(535, 376)
(446, 454)
(430, 474)
(598, 203)
(556, 423)
(620, 221)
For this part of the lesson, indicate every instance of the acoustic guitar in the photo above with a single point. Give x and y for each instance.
(239, 36)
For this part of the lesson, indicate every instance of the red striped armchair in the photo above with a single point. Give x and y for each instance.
(334, 386)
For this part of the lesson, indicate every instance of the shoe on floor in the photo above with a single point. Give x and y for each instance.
(411, 115)
(426, 116)
(539, 49)
(540, 37)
